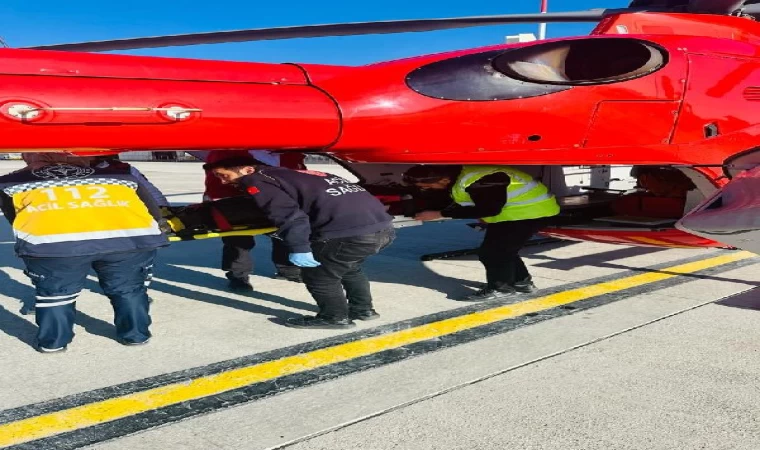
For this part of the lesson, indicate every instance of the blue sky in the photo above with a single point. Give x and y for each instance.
(27, 23)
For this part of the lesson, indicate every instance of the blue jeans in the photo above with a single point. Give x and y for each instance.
(58, 281)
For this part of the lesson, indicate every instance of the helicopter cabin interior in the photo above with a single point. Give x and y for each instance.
(597, 203)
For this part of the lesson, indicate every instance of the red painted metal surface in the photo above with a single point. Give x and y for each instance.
(249, 105)
(69, 64)
(645, 238)
(406, 126)
(240, 105)
(719, 27)
(700, 107)
(431, 130)
(665, 237)
(409, 127)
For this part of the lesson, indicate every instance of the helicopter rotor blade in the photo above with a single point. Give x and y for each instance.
(345, 29)
(752, 10)
(715, 6)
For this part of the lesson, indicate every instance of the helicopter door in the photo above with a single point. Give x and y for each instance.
(606, 130)
(731, 216)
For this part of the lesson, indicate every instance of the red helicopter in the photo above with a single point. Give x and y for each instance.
(666, 86)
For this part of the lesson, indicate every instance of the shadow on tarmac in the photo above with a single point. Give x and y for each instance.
(399, 264)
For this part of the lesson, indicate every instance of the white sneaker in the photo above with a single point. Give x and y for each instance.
(50, 350)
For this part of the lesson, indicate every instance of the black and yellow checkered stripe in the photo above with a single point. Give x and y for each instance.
(24, 187)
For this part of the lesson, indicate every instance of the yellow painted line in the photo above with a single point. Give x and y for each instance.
(657, 242)
(95, 413)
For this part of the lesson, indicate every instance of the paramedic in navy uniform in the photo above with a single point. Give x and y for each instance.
(330, 227)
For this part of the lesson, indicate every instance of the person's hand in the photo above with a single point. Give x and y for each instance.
(428, 215)
(303, 259)
(166, 212)
(165, 226)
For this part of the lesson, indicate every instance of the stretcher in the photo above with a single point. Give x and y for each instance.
(237, 216)
(210, 234)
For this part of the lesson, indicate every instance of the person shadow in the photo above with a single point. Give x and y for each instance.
(397, 264)
(15, 325)
(176, 264)
(169, 267)
(401, 262)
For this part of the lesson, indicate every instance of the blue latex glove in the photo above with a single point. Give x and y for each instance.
(303, 259)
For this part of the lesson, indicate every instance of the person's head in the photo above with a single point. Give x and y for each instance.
(229, 171)
(35, 160)
(431, 176)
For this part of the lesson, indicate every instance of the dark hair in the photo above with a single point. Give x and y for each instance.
(231, 163)
(430, 173)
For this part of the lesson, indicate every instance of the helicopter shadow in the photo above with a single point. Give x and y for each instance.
(745, 300)
(401, 263)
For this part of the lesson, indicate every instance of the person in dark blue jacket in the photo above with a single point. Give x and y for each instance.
(69, 218)
(329, 225)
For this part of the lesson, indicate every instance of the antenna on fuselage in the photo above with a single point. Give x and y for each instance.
(542, 26)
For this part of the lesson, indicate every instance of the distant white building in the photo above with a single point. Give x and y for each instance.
(155, 156)
(522, 37)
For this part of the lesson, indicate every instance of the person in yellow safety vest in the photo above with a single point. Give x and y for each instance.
(68, 218)
(512, 204)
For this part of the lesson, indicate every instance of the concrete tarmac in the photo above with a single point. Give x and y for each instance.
(623, 348)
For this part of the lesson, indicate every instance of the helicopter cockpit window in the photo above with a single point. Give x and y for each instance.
(582, 62)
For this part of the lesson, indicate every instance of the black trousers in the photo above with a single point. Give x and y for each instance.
(280, 259)
(339, 285)
(237, 260)
(499, 251)
(236, 256)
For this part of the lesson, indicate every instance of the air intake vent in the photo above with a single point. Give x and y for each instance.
(752, 93)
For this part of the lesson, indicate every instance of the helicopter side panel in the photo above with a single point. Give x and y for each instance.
(59, 100)
(621, 121)
(463, 110)
(722, 98)
(77, 64)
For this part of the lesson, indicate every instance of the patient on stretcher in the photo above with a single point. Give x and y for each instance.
(228, 214)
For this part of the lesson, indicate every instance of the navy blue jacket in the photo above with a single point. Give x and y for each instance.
(62, 210)
(308, 205)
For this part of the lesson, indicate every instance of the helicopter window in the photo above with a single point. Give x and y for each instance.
(579, 62)
(472, 78)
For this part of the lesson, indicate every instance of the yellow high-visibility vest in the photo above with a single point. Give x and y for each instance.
(527, 198)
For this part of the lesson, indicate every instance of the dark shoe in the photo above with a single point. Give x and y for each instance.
(239, 284)
(27, 310)
(364, 315)
(42, 349)
(319, 323)
(525, 287)
(130, 343)
(489, 294)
